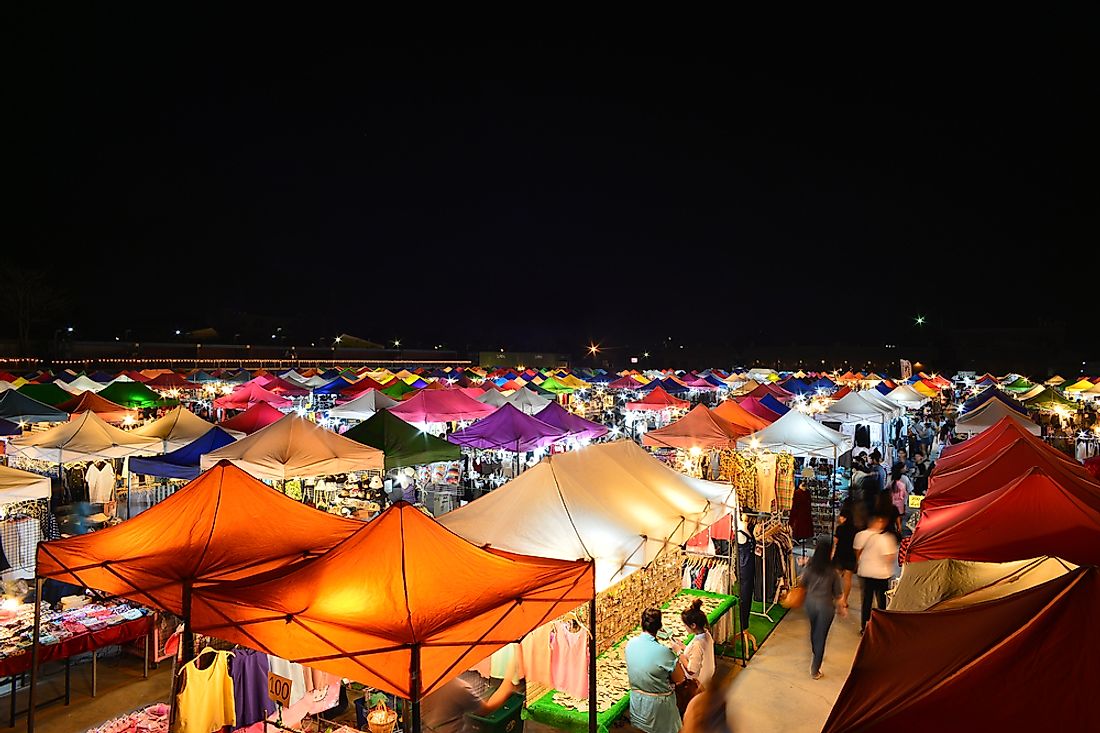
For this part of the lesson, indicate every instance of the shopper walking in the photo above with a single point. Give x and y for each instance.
(823, 592)
(852, 519)
(876, 555)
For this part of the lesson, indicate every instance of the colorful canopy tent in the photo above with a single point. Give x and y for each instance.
(732, 412)
(183, 462)
(1019, 385)
(574, 426)
(335, 386)
(362, 386)
(941, 583)
(48, 393)
(294, 447)
(493, 398)
(700, 429)
(906, 396)
(924, 389)
(19, 408)
(134, 395)
(611, 502)
(778, 393)
(508, 429)
(171, 381)
(8, 428)
(176, 429)
(527, 401)
(224, 525)
(363, 407)
(247, 395)
(398, 389)
(554, 386)
(989, 394)
(996, 469)
(16, 485)
(401, 443)
(1079, 386)
(1014, 663)
(754, 406)
(433, 406)
(107, 410)
(987, 444)
(670, 385)
(800, 436)
(797, 387)
(1040, 511)
(658, 399)
(409, 625)
(88, 436)
(257, 417)
(771, 403)
(627, 382)
(80, 384)
(988, 415)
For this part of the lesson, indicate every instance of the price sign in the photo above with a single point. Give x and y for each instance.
(915, 500)
(278, 689)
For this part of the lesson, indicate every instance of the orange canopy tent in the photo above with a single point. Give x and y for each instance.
(224, 525)
(732, 412)
(409, 624)
(700, 428)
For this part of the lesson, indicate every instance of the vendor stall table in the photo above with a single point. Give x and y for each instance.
(14, 666)
(546, 711)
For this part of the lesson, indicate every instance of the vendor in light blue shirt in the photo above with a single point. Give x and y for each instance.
(654, 672)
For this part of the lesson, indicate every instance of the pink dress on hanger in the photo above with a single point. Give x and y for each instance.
(569, 660)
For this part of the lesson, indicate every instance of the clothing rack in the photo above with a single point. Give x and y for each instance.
(773, 521)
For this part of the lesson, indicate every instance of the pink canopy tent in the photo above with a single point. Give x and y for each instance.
(446, 405)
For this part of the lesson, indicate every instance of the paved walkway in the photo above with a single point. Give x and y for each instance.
(775, 692)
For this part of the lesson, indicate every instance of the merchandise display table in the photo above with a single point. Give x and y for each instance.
(545, 710)
(65, 634)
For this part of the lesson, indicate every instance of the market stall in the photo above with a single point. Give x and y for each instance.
(365, 406)
(257, 417)
(177, 428)
(108, 411)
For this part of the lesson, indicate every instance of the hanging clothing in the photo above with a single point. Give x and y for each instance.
(535, 651)
(784, 481)
(746, 574)
(293, 672)
(206, 703)
(801, 516)
(249, 673)
(765, 482)
(863, 436)
(102, 489)
(569, 660)
(91, 478)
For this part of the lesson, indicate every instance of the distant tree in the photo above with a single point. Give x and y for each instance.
(28, 297)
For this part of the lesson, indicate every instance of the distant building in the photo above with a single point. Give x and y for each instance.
(522, 358)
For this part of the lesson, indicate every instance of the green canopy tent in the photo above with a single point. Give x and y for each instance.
(134, 395)
(1020, 385)
(1049, 399)
(553, 386)
(402, 444)
(48, 393)
(397, 390)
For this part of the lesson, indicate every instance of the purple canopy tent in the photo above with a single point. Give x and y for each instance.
(507, 429)
(557, 416)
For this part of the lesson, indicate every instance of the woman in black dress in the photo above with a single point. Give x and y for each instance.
(852, 519)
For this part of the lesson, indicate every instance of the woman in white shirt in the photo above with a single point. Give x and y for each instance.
(698, 656)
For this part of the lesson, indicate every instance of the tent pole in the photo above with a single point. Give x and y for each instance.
(188, 635)
(833, 500)
(414, 679)
(592, 697)
(36, 635)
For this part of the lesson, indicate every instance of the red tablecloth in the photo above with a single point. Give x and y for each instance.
(118, 634)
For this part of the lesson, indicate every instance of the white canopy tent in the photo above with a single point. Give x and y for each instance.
(176, 429)
(876, 398)
(364, 406)
(494, 398)
(79, 385)
(85, 437)
(988, 415)
(906, 396)
(799, 435)
(294, 447)
(4, 385)
(611, 502)
(527, 401)
(854, 407)
(16, 485)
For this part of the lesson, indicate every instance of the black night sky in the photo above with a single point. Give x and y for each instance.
(536, 193)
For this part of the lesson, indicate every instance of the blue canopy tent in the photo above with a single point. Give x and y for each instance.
(182, 462)
(102, 377)
(774, 405)
(9, 428)
(883, 389)
(992, 393)
(668, 385)
(825, 383)
(797, 387)
(602, 378)
(201, 377)
(334, 387)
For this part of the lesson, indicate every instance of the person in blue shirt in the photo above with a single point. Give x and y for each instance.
(654, 671)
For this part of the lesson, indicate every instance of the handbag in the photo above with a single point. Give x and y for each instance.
(686, 690)
(795, 597)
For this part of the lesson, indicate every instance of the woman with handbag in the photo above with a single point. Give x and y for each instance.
(822, 592)
(697, 657)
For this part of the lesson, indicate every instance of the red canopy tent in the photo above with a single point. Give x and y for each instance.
(284, 388)
(753, 405)
(257, 417)
(842, 392)
(1038, 513)
(987, 443)
(249, 394)
(107, 410)
(979, 478)
(171, 381)
(1021, 662)
(657, 399)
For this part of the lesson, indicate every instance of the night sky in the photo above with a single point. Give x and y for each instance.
(536, 193)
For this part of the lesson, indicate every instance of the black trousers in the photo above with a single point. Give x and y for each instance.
(872, 588)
